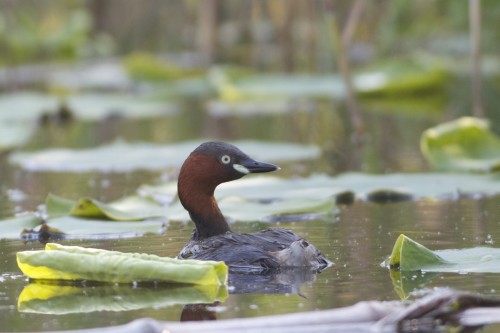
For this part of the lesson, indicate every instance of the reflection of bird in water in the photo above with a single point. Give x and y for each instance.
(199, 312)
(209, 165)
(279, 282)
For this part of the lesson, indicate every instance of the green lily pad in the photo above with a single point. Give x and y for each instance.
(393, 187)
(402, 77)
(257, 198)
(59, 299)
(28, 107)
(14, 134)
(13, 227)
(68, 227)
(74, 263)
(408, 255)
(123, 157)
(94, 107)
(22, 111)
(398, 77)
(465, 144)
(129, 209)
(147, 67)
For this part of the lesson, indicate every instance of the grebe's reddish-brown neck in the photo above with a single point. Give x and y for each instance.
(209, 165)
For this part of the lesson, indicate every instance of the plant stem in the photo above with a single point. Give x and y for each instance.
(475, 43)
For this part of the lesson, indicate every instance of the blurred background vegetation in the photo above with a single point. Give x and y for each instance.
(410, 59)
(271, 35)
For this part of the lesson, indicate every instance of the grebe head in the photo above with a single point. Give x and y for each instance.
(209, 165)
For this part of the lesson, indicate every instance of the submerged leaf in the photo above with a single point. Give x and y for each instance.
(408, 255)
(47, 298)
(58, 262)
(465, 144)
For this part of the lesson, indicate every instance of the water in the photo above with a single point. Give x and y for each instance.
(357, 237)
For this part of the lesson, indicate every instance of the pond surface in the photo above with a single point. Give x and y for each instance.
(357, 237)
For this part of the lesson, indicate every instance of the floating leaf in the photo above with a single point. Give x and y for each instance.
(144, 66)
(465, 144)
(13, 227)
(393, 187)
(409, 255)
(30, 106)
(123, 157)
(74, 227)
(26, 107)
(398, 77)
(14, 134)
(59, 299)
(58, 262)
(262, 198)
(98, 106)
(131, 209)
(405, 77)
(23, 110)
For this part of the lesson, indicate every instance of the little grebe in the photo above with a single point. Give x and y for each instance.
(209, 165)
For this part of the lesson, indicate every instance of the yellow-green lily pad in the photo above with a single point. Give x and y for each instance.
(408, 255)
(127, 209)
(74, 263)
(465, 144)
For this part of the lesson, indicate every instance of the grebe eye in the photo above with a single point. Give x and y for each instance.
(225, 159)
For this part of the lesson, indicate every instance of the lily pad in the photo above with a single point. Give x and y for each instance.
(409, 255)
(59, 299)
(393, 187)
(14, 134)
(465, 144)
(129, 209)
(13, 227)
(68, 227)
(147, 67)
(74, 263)
(401, 77)
(255, 198)
(123, 157)
(94, 107)
(28, 107)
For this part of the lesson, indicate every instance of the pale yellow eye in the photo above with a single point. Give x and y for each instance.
(225, 159)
